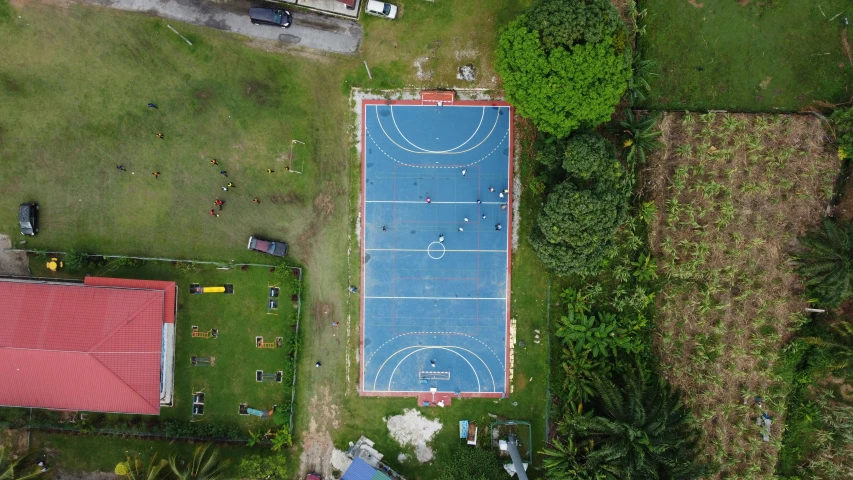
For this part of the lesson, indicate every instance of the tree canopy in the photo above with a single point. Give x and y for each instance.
(576, 227)
(563, 23)
(564, 64)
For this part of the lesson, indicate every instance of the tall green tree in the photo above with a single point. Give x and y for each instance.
(565, 64)
(565, 23)
(205, 464)
(638, 429)
(826, 262)
(576, 228)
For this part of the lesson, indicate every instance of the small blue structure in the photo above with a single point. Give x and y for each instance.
(360, 470)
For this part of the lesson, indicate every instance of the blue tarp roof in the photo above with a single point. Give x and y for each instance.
(359, 470)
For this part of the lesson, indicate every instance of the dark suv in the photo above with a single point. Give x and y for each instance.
(28, 218)
(270, 16)
(279, 249)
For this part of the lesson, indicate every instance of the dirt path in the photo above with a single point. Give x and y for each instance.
(12, 263)
(317, 443)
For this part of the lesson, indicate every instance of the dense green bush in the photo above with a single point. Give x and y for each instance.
(565, 64)
(843, 124)
(264, 466)
(466, 463)
(576, 228)
(564, 23)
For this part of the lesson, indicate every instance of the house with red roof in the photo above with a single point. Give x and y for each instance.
(103, 345)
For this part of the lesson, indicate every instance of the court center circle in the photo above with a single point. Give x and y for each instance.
(430, 250)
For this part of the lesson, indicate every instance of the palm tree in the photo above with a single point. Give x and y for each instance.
(135, 469)
(11, 469)
(640, 136)
(639, 430)
(826, 263)
(204, 466)
(638, 84)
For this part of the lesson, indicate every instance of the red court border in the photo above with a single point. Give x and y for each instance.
(484, 103)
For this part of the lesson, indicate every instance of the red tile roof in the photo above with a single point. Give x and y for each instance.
(82, 347)
(168, 287)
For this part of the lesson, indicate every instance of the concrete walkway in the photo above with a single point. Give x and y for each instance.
(332, 6)
(311, 30)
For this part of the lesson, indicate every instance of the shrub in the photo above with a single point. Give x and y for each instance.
(843, 123)
(75, 261)
(263, 466)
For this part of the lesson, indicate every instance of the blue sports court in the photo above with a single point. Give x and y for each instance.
(436, 226)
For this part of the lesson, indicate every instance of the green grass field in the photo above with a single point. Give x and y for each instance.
(77, 107)
(77, 453)
(746, 55)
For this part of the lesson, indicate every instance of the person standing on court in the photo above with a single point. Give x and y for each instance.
(441, 238)
(464, 172)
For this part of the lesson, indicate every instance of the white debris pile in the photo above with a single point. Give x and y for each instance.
(412, 428)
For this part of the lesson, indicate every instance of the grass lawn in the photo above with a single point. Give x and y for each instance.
(747, 55)
(74, 106)
(733, 192)
(239, 318)
(87, 453)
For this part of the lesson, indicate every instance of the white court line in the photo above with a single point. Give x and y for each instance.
(436, 166)
(435, 151)
(426, 250)
(431, 202)
(476, 376)
(500, 362)
(434, 298)
(430, 152)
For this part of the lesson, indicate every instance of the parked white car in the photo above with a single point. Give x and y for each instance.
(381, 9)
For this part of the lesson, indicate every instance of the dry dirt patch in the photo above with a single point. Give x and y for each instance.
(317, 446)
(413, 429)
(12, 263)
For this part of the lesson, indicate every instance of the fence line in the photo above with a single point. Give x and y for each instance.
(295, 353)
(159, 259)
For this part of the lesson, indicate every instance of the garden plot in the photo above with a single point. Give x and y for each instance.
(733, 192)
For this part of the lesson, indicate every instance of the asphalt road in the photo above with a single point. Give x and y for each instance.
(311, 30)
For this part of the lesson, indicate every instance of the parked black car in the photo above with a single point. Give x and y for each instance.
(279, 249)
(28, 218)
(270, 16)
